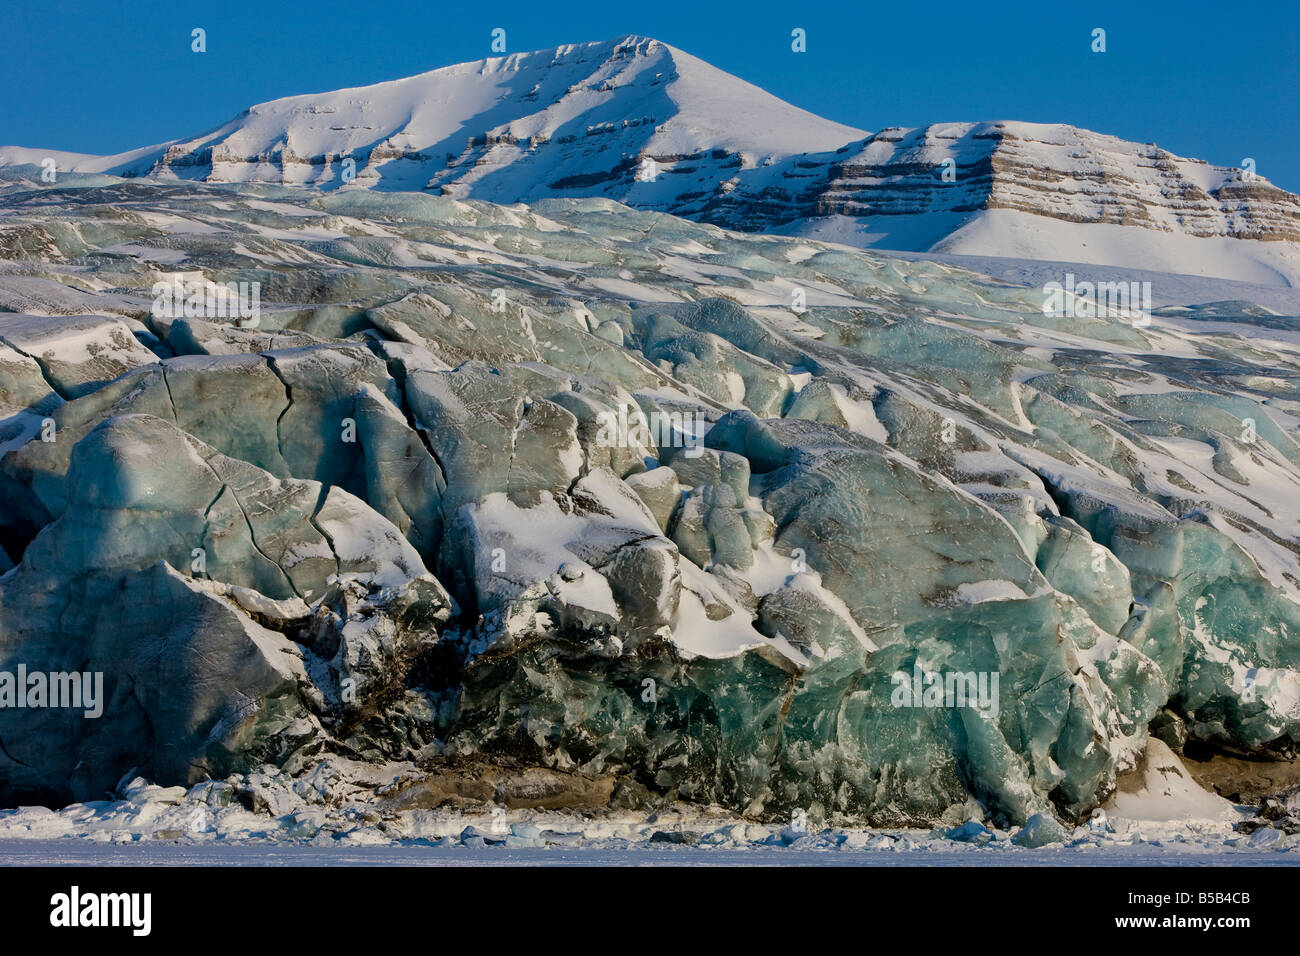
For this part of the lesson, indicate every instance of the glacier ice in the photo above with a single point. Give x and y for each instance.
(390, 521)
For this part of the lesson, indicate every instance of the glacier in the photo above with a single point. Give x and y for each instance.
(386, 523)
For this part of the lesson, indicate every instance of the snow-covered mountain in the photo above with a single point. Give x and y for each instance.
(576, 120)
(1028, 190)
(639, 121)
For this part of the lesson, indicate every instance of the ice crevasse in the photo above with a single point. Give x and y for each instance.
(389, 522)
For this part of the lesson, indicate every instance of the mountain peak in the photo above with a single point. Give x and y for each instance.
(639, 121)
(505, 128)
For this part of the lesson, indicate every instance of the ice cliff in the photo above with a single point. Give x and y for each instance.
(409, 512)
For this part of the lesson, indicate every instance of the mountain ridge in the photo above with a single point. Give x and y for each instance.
(647, 124)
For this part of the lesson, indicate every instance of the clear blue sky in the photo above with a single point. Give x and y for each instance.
(1219, 81)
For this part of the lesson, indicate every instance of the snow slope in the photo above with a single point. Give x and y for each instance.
(508, 128)
(639, 121)
(1038, 191)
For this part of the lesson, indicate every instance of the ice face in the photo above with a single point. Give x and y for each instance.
(212, 689)
(594, 489)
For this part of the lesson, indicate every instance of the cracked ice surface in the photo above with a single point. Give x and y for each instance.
(386, 523)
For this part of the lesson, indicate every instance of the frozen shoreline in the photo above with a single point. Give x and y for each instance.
(81, 852)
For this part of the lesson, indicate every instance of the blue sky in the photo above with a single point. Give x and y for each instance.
(1218, 81)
